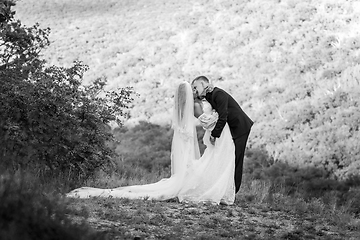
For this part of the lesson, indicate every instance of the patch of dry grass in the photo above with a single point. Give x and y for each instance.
(260, 212)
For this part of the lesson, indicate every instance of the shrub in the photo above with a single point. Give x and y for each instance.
(147, 146)
(27, 214)
(49, 121)
(304, 182)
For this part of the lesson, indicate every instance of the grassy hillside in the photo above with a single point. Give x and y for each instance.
(152, 45)
(293, 65)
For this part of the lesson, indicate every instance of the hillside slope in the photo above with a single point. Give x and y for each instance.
(293, 65)
(152, 45)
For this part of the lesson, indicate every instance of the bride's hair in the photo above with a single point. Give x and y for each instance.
(181, 100)
(184, 104)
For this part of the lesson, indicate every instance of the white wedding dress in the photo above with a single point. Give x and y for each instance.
(209, 178)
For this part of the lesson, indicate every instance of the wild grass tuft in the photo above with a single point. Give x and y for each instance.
(38, 215)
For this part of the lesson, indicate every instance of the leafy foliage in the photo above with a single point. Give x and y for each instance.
(49, 120)
(305, 182)
(147, 145)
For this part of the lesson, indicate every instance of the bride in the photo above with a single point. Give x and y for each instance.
(209, 178)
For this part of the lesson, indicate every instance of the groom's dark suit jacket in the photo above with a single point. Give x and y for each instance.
(229, 112)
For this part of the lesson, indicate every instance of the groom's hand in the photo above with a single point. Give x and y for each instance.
(212, 140)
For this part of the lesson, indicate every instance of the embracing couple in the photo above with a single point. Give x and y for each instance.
(215, 177)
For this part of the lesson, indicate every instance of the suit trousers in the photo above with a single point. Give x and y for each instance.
(240, 145)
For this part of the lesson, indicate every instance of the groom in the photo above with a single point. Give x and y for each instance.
(229, 112)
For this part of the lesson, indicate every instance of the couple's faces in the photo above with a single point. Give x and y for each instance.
(198, 89)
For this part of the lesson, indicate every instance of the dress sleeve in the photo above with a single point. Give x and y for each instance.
(221, 101)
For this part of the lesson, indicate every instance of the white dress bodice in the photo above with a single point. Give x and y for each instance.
(209, 117)
(207, 108)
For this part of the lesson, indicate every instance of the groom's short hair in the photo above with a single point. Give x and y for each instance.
(201, 78)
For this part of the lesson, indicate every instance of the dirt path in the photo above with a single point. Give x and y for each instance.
(125, 219)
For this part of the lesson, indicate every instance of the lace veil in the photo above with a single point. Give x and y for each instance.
(185, 147)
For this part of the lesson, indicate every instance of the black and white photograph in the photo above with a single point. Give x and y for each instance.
(179, 119)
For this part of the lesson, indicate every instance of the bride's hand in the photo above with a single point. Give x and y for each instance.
(197, 122)
(212, 140)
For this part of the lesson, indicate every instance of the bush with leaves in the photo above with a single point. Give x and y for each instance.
(147, 146)
(321, 131)
(49, 120)
(303, 182)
